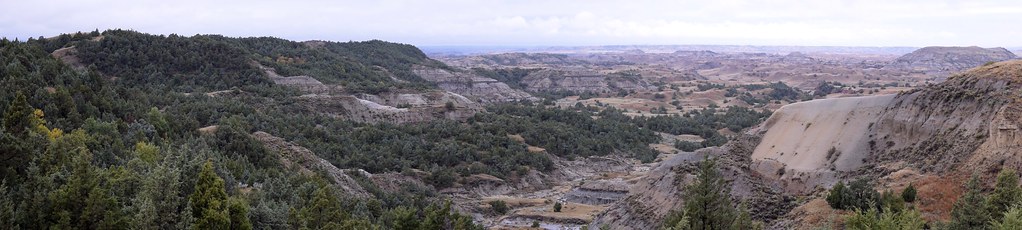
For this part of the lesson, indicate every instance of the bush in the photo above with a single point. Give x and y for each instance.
(909, 194)
(557, 207)
(499, 207)
(857, 195)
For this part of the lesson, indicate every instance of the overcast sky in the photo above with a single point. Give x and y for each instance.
(542, 22)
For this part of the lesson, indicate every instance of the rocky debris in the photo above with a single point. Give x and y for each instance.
(583, 81)
(396, 108)
(209, 130)
(482, 89)
(294, 156)
(947, 60)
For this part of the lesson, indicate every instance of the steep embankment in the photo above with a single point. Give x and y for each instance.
(948, 60)
(485, 90)
(806, 143)
(966, 125)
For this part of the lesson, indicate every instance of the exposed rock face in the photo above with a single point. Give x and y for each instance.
(947, 60)
(805, 144)
(482, 89)
(376, 108)
(579, 81)
(303, 160)
(967, 124)
(304, 83)
(660, 192)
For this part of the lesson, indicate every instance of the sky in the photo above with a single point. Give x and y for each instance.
(542, 22)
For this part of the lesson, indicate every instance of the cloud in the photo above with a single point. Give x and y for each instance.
(535, 22)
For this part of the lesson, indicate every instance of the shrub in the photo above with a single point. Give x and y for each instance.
(499, 207)
(557, 207)
(909, 194)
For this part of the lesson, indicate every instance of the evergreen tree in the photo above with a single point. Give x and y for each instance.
(1006, 193)
(836, 196)
(238, 209)
(324, 209)
(969, 212)
(1011, 220)
(708, 199)
(16, 117)
(909, 194)
(209, 201)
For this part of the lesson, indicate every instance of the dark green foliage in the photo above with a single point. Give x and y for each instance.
(535, 224)
(909, 193)
(837, 195)
(703, 123)
(969, 211)
(557, 207)
(238, 210)
(708, 203)
(1006, 193)
(499, 207)
(512, 77)
(857, 195)
(209, 201)
(687, 146)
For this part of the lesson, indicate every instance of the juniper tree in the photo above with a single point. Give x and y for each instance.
(969, 211)
(1006, 193)
(209, 201)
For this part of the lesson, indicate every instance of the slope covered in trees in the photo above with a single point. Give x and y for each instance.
(115, 145)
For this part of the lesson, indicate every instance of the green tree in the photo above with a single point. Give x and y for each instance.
(909, 193)
(238, 209)
(499, 207)
(888, 220)
(16, 117)
(969, 211)
(324, 209)
(708, 202)
(209, 201)
(1006, 193)
(1011, 220)
(836, 196)
(557, 207)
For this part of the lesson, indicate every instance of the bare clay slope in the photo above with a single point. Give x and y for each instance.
(965, 125)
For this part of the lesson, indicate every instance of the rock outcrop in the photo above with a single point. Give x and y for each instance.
(393, 108)
(302, 159)
(966, 125)
(481, 89)
(943, 61)
(582, 81)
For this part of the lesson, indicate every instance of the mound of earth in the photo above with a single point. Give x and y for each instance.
(947, 60)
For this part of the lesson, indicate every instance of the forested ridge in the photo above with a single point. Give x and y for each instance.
(114, 144)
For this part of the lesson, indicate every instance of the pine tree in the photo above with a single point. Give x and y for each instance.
(16, 117)
(238, 209)
(969, 212)
(909, 194)
(708, 199)
(1006, 193)
(324, 209)
(209, 201)
(836, 196)
(1011, 220)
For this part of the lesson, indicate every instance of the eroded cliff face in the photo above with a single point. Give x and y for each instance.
(579, 81)
(305, 161)
(943, 61)
(393, 108)
(931, 137)
(658, 193)
(481, 89)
